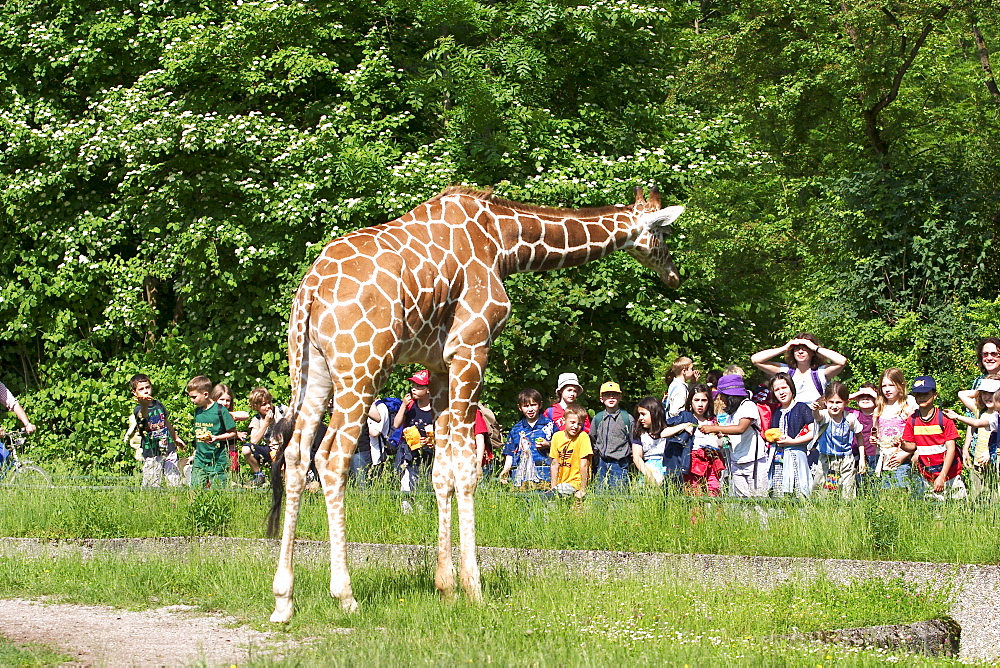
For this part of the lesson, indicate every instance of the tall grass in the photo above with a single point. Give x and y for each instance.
(893, 527)
(560, 619)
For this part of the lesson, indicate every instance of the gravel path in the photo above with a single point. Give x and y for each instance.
(100, 636)
(975, 603)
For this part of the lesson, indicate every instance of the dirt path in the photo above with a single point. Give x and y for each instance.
(100, 636)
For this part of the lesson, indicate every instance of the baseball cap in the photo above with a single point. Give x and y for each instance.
(923, 384)
(988, 385)
(422, 377)
(612, 386)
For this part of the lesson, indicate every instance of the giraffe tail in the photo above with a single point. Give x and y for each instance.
(283, 428)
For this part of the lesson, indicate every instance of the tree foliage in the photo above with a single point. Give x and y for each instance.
(168, 169)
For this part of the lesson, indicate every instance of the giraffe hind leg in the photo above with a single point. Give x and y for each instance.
(333, 462)
(297, 455)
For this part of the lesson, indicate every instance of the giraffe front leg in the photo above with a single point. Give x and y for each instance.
(443, 480)
(466, 378)
(465, 489)
(444, 575)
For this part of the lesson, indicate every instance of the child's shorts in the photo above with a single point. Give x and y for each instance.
(954, 489)
(261, 452)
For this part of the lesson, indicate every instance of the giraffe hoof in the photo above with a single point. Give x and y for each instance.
(282, 614)
(349, 605)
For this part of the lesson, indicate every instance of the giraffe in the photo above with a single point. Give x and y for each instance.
(427, 288)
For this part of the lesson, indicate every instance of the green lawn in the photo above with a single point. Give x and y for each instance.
(563, 619)
(890, 527)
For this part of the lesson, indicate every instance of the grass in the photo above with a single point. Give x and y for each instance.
(29, 654)
(563, 619)
(892, 527)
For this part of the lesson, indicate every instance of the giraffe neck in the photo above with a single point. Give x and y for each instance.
(538, 242)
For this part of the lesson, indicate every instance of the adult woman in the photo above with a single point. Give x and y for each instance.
(988, 358)
(803, 362)
(8, 399)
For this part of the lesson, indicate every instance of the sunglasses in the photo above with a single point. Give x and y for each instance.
(990, 354)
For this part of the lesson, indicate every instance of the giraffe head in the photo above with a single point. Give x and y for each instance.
(649, 248)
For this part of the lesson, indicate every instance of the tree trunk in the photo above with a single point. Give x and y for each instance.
(984, 58)
(151, 285)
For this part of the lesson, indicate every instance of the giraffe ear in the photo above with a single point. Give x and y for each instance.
(654, 196)
(639, 199)
(658, 222)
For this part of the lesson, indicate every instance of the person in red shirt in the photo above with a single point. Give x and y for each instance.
(932, 435)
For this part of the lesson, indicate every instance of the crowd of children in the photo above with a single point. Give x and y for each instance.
(795, 435)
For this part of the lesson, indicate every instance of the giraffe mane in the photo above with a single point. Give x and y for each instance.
(488, 196)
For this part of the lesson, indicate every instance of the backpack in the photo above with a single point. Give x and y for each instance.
(391, 442)
(814, 374)
(497, 438)
(764, 414)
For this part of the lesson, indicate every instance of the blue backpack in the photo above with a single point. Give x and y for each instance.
(392, 404)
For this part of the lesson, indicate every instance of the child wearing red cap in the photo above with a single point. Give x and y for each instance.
(417, 412)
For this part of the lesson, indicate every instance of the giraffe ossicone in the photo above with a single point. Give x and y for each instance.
(428, 288)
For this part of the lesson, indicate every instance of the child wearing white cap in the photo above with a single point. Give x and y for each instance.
(977, 452)
(568, 389)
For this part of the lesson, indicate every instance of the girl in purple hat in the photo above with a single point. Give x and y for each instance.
(750, 457)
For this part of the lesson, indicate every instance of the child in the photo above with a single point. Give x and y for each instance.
(865, 450)
(932, 437)
(568, 390)
(528, 445)
(891, 410)
(790, 464)
(213, 427)
(706, 461)
(682, 374)
(571, 455)
(650, 436)
(803, 355)
(982, 439)
(224, 396)
(259, 451)
(611, 438)
(157, 440)
(749, 467)
(413, 460)
(837, 429)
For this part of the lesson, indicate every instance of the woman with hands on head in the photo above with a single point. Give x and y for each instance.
(804, 357)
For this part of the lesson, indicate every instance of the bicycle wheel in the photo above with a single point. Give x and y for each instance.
(28, 476)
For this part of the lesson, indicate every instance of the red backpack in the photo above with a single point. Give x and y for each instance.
(764, 412)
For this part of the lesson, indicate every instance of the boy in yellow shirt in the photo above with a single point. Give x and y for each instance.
(571, 455)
